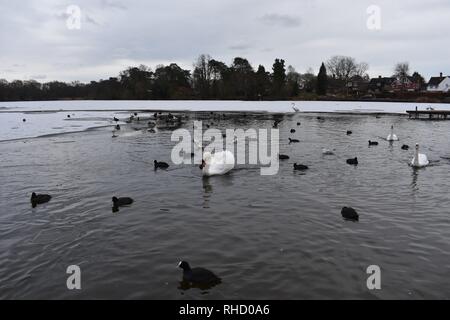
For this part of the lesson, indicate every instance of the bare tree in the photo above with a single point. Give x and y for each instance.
(202, 75)
(292, 75)
(401, 71)
(344, 68)
(202, 68)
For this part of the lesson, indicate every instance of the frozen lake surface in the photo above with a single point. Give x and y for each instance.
(50, 117)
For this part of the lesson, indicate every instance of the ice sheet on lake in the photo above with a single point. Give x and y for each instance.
(50, 117)
(41, 124)
(268, 106)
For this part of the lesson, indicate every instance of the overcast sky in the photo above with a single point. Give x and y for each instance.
(35, 41)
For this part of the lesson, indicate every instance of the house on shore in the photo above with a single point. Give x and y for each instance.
(357, 86)
(439, 84)
(408, 84)
(381, 85)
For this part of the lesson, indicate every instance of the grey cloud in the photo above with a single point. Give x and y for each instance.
(283, 20)
(239, 47)
(113, 4)
(91, 20)
(61, 15)
(302, 32)
(39, 77)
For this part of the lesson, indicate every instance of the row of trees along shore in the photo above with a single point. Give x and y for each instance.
(210, 79)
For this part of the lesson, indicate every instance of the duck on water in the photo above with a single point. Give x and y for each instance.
(120, 202)
(353, 161)
(160, 165)
(350, 214)
(39, 199)
(198, 276)
(300, 167)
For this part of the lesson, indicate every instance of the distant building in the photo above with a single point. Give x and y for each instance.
(408, 84)
(357, 85)
(381, 85)
(439, 84)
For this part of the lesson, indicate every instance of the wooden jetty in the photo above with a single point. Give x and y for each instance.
(430, 114)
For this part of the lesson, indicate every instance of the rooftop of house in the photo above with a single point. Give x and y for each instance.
(435, 81)
(382, 80)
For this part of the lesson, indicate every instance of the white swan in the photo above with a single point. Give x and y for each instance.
(392, 136)
(217, 164)
(420, 159)
(295, 108)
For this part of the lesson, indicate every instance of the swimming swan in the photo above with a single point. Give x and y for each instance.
(217, 164)
(392, 136)
(420, 159)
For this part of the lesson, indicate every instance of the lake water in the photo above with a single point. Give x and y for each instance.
(267, 237)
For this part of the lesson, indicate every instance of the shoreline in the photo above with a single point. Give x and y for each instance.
(297, 99)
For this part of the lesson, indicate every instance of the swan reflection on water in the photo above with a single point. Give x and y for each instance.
(218, 181)
(207, 187)
(415, 176)
(208, 190)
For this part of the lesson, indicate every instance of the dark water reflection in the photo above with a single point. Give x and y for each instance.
(279, 237)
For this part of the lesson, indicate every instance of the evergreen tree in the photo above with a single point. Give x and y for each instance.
(279, 78)
(262, 82)
(322, 81)
(242, 79)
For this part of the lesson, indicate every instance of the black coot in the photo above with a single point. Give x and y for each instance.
(283, 157)
(161, 165)
(353, 161)
(300, 167)
(198, 276)
(293, 140)
(350, 214)
(119, 202)
(39, 199)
